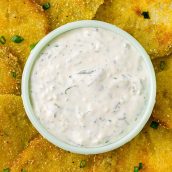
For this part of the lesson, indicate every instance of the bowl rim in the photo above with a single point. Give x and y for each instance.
(26, 80)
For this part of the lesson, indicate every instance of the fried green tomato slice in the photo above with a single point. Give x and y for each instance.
(15, 130)
(10, 72)
(163, 107)
(149, 21)
(65, 11)
(160, 150)
(42, 156)
(150, 151)
(23, 23)
(131, 154)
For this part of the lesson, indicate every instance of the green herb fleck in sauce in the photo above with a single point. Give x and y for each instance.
(23, 170)
(17, 39)
(46, 6)
(82, 164)
(162, 65)
(86, 72)
(154, 124)
(145, 14)
(2, 40)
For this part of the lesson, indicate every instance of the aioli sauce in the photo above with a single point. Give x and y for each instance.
(89, 87)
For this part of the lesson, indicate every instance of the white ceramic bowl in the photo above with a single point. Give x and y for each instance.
(26, 91)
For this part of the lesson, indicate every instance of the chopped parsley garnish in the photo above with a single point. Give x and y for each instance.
(2, 40)
(46, 6)
(145, 14)
(13, 74)
(6, 170)
(154, 124)
(17, 39)
(23, 170)
(82, 164)
(140, 165)
(136, 169)
(32, 46)
(162, 65)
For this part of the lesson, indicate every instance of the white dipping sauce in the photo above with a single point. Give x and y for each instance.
(89, 87)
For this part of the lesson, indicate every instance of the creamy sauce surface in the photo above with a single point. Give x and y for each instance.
(89, 87)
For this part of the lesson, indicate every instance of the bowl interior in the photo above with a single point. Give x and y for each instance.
(132, 132)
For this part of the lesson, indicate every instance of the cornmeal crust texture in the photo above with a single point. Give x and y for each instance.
(42, 156)
(152, 148)
(163, 107)
(10, 72)
(149, 21)
(22, 18)
(15, 130)
(64, 11)
(159, 150)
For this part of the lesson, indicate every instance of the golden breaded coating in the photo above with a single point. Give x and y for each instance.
(162, 64)
(10, 72)
(160, 150)
(152, 149)
(105, 162)
(3, 18)
(42, 156)
(65, 11)
(131, 154)
(163, 107)
(22, 18)
(149, 21)
(15, 129)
